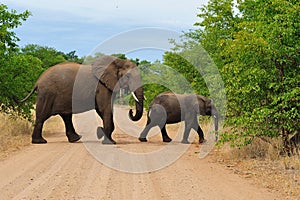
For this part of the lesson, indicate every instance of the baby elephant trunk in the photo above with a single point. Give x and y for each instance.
(216, 118)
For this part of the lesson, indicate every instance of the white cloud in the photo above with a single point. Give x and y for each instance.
(139, 12)
(82, 24)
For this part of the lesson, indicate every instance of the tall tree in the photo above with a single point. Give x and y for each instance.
(17, 72)
(8, 21)
(49, 56)
(256, 47)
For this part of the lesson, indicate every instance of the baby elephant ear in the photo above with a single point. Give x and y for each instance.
(200, 104)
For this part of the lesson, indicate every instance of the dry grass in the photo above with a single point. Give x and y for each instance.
(14, 134)
(53, 125)
(261, 161)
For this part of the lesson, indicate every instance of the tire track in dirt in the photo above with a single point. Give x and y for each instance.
(60, 170)
(60, 182)
(25, 169)
(35, 186)
(90, 181)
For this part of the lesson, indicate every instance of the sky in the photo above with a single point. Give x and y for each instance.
(84, 25)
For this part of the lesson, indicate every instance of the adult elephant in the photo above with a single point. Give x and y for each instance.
(69, 88)
(169, 108)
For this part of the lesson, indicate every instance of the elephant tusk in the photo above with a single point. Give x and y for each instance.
(135, 98)
(215, 116)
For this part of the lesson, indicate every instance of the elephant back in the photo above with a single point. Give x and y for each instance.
(63, 72)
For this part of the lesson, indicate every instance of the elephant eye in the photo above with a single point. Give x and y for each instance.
(124, 77)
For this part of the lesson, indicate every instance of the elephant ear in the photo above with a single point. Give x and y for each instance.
(106, 70)
(200, 105)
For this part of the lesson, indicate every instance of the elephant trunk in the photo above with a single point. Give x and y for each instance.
(139, 102)
(216, 117)
(216, 127)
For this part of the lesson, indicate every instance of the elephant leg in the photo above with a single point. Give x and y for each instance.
(200, 134)
(70, 131)
(156, 117)
(190, 122)
(42, 114)
(186, 133)
(37, 137)
(164, 134)
(100, 130)
(144, 133)
(108, 129)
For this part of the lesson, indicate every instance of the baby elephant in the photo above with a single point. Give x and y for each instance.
(169, 108)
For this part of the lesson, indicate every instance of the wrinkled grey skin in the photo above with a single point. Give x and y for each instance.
(169, 108)
(95, 88)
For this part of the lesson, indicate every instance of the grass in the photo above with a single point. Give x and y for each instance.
(262, 162)
(14, 134)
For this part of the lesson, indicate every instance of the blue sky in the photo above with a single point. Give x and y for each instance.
(82, 25)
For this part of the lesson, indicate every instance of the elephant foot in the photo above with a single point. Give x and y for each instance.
(185, 141)
(100, 132)
(73, 137)
(201, 141)
(143, 139)
(38, 141)
(167, 139)
(108, 141)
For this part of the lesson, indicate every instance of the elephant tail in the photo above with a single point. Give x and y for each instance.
(27, 97)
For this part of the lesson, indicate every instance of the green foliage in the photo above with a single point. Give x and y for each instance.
(256, 46)
(72, 57)
(120, 55)
(91, 58)
(195, 64)
(179, 63)
(8, 21)
(158, 78)
(266, 61)
(151, 91)
(17, 72)
(50, 56)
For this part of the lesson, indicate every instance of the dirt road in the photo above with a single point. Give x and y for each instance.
(60, 170)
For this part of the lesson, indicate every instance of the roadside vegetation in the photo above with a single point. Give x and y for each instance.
(255, 46)
(14, 134)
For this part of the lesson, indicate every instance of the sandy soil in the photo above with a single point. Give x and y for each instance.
(60, 170)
